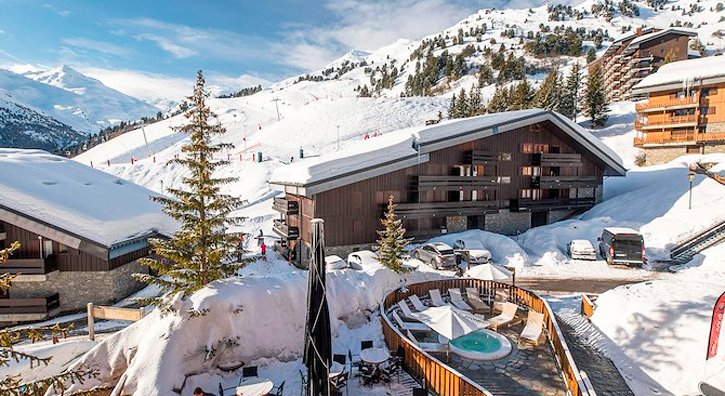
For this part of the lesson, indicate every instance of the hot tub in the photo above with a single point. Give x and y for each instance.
(481, 345)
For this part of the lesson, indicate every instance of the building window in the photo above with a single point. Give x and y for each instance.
(707, 110)
(530, 193)
(531, 170)
(527, 148)
(541, 148)
(504, 179)
(505, 156)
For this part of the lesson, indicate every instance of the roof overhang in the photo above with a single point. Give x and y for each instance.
(677, 85)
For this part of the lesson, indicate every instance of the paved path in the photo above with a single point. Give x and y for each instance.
(574, 285)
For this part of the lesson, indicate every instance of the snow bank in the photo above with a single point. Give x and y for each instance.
(663, 325)
(87, 202)
(246, 319)
(504, 250)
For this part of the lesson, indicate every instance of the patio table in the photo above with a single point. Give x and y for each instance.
(374, 355)
(255, 387)
(336, 369)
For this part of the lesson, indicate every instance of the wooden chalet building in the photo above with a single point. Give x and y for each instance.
(502, 172)
(81, 233)
(684, 111)
(633, 57)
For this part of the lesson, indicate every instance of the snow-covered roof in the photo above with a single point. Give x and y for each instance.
(686, 71)
(404, 148)
(66, 200)
(651, 36)
(622, 230)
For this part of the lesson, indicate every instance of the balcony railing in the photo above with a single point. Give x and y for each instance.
(556, 182)
(663, 105)
(36, 266)
(288, 232)
(666, 138)
(558, 159)
(417, 210)
(287, 207)
(527, 204)
(478, 157)
(671, 121)
(22, 309)
(457, 183)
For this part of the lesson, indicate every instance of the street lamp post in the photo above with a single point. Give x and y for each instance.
(690, 177)
(338, 137)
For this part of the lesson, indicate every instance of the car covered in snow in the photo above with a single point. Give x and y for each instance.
(581, 249)
(362, 258)
(436, 254)
(619, 245)
(472, 251)
(335, 262)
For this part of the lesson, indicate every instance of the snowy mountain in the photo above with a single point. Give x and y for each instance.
(22, 126)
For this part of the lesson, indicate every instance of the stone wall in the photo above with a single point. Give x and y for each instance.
(661, 155)
(78, 288)
(557, 215)
(715, 127)
(456, 223)
(714, 148)
(508, 223)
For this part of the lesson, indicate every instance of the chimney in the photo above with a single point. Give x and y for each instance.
(638, 32)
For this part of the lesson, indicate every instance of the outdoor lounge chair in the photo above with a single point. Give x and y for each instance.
(507, 316)
(533, 333)
(432, 347)
(405, 311)
(474, 299)
(435, 298)
(457, 300)
(409, 326)
(417, 304)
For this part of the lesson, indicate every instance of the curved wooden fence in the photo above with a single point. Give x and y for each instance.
(444, 380)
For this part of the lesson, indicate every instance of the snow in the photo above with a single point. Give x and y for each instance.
(76, 198)
(685, 71)
(653, 35)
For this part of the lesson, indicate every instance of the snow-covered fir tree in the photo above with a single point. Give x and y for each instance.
(596, 105)
(549, 94)
(392, 241)
(201, 251)
(570, 97)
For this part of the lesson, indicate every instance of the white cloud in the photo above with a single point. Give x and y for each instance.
(177, 51)
(61, 12)
(95, 45)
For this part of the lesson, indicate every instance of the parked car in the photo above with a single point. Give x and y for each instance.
(472, 251)
(619, 245)
(362, 258)
(436, 254)
(581, 249)
(335, 262)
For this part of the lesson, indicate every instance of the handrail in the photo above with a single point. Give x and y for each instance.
(444, 380)
(587, 307)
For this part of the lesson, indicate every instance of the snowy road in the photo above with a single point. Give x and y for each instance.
(581, 285)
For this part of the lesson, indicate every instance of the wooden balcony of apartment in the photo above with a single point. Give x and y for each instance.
(29, 309)
(558, 182)
(30, 266)
(287, 207)
(670, 104)
(414, 210)
(668, 121)
(478, 157)
(285, 231)
(558, 159)
(675, 139)
(528, 205)
(457, 183)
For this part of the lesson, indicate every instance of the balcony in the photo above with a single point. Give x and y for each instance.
(418, 210)
(457, 183)
(29, 309)
(528, 205)
(558, 159)
(26, 266)
(671, 104)
(478, 157)
(285, 231)
(666, 122)
(287, 207)
(675, 139)
(557, 182)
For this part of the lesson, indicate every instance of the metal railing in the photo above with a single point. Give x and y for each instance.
(665, 104)
(669, 138)
(35, 305)
(30, 266)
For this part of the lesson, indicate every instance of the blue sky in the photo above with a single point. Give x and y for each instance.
(237, 43)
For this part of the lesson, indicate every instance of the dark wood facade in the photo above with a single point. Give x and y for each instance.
(510, 171)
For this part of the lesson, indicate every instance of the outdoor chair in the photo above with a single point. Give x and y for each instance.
(457, 300)
(342, 359)
(249, 372)
(474, 299)
(420, 392)
(417, 304)
(278, 390)
(409, 326)
(533, 332)
(432, 347)
(507, 316)
(340, 382)
(405, 311)
(435, 298)
(367, 344)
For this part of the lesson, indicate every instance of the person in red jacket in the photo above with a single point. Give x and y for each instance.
(264, 249)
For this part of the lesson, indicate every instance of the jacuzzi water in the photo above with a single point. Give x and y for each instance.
(481, 345)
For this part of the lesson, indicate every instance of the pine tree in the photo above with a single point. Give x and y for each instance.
(200, 252)
(596, 105)
(462, 105)
(549, 94)
(474, 102)
(453, 108)
(570, 96)
(522, 96)
(591, 55)
(392, 241)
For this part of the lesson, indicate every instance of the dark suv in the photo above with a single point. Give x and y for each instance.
(436, 254)
(619, 245)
